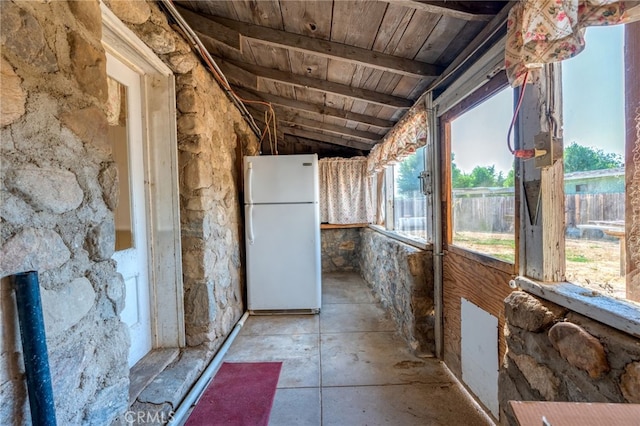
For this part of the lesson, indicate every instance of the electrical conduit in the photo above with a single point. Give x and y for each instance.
(34, 348)
(198, 388)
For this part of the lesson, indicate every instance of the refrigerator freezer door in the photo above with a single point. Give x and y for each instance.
(281, 179)
(283, 261)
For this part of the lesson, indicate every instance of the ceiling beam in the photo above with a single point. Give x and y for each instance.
(311, 107)
(370, 96)
(287, 118)
(324, 48)
(211, 28)
(442, 8)
(333, 140)
(332, 128)
(296, 140)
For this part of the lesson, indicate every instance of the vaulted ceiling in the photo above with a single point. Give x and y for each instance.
(340, 74)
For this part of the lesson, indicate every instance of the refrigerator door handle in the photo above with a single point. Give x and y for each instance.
(249, 182)
(250, 236)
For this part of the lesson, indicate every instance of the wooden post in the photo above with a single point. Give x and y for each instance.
(632, 160)
(542, 254)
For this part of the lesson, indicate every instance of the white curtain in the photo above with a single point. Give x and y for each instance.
(346, 191)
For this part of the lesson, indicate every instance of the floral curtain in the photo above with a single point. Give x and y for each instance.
(544, 31)
(346, 191)
(408, 135)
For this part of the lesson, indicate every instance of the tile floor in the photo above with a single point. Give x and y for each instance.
(346, 366)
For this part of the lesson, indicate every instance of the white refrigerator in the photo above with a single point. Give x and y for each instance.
(282, 233)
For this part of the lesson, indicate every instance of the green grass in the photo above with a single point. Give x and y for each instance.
(577, 258)
(496, 242)
(492, 245)
(486, 241)
(507, 257)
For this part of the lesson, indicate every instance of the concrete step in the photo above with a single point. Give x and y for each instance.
(148, 368)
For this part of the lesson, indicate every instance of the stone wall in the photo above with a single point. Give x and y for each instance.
(56, 175)
(402, 276)
(340, 249)
(554, 354)
(57, 178)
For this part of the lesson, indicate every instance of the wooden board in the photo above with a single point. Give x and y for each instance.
(395, 20)
(433, 48)
(308, 18)
(632, 163)
(482, 285)
(415, 34)
(460, 41)
(531, 413)
(264, 13)
(356, 23)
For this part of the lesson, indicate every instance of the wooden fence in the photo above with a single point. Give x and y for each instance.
(490, 212)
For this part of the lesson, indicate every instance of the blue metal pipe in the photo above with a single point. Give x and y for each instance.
(34, 348)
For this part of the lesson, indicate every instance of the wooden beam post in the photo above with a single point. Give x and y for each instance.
(632, 162)
(542, 253)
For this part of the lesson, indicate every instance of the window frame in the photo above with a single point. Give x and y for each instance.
(631, 97)
(388, 226)
(492, 87)
(621, 314)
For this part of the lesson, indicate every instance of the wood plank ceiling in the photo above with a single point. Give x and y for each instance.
(339, 74)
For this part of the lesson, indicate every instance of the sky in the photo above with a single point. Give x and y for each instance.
(593, 107)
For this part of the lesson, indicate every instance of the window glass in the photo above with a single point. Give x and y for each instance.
(594, 184)
(482, 179)
(409, 203)
(118, 137)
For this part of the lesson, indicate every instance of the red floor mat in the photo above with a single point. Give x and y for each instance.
(239, 394)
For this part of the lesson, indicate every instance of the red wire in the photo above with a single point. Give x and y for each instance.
(515, 113)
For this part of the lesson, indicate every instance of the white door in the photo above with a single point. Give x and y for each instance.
(126, 137)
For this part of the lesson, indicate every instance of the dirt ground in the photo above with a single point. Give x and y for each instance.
(594, 264)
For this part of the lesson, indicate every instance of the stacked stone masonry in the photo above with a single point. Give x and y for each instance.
(554, 354)
(402, 276)
(341, 249)
(59, 190)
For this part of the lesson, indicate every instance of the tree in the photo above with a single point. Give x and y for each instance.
(408, 172)
(510, 180)
(483, 176)
(457, 176)
(579, 158)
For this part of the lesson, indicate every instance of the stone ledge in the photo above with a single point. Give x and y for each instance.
(399, 237)
(616, 313)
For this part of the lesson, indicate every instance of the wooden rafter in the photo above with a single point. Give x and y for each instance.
(338, 150)
(370, 96)
(323, 48)
(334, 140)
(300, 122)
(311, 107)
(294, 120)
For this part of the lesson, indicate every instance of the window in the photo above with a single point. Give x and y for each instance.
(409, 202)
(593, 88)
(482, 179)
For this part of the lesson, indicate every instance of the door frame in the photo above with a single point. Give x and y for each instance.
(161, 178)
